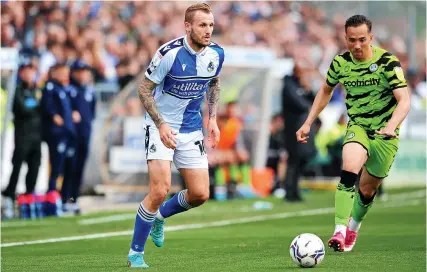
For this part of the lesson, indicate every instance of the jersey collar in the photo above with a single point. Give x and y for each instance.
(191, 50)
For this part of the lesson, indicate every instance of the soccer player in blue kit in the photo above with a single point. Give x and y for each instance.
(175, 83)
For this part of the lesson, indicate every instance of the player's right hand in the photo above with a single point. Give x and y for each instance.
(167, 135)
(302, 134)
(58, 120)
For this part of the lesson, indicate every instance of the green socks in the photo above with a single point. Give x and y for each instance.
(344, 199)
(361, 206)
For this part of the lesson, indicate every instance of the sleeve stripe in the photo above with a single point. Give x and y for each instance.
(332, 68)
(330, 83)
(397, 86)
(171, 45)
(147, 75)
(394, 77)
(333, 77)
(391, 65)
(338, 63)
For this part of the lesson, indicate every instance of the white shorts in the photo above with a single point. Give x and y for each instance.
(189, 153)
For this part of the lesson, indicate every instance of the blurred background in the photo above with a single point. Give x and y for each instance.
(277, 56)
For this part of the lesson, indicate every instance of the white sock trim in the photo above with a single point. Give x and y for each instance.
(147, 211)
(145, 214)
(182, 201)
(353, 225)
(132, 252)
(159, 216)
(340, 228)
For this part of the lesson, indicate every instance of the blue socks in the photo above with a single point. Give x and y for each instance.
(144, 221)
(177, 204)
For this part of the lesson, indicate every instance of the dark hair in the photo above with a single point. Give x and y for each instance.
(51, 44)
(69, 44)
(276, 116)
(55, 67)
(123, 62)
(189, 13)
(59, 65)
(231, 103)
(358, 20)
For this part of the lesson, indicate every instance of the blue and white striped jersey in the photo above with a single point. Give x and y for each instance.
(183, 77)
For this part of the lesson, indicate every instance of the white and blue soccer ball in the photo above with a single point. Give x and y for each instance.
(307, 250)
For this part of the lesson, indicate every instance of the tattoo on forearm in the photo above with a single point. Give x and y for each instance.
(145, 92)
(213, 97)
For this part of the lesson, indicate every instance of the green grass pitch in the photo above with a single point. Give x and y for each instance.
(392, 238)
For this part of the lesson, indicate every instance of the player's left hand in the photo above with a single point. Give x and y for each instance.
(213, 133)
(76, 117)
(389, 132)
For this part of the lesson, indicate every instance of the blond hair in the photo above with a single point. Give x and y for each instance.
(189, 13)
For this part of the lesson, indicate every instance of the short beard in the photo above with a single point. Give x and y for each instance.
(197, 42)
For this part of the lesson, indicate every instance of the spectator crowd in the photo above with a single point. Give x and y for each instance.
(112, 42)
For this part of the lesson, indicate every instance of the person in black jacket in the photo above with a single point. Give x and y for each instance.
(297, 98)
(28, 135)
(277, 155)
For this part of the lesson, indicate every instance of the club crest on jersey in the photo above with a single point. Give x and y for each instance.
(61, 147)
(373, 67)
(155, 62)
(347, 69)
(88, 96)
(211, 66)
(350, 135)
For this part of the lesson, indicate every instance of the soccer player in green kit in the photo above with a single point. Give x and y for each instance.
(377, 102)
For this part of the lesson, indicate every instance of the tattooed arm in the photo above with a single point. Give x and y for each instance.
(213, 97)
(145, 92)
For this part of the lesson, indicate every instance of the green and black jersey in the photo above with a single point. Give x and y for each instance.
(369, 85)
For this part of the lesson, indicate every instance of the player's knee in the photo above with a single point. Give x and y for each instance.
(198, 198)
(348, 179)
(366, 196)
(367, 191)
(204, 196)
(158, 196)
(350, 167)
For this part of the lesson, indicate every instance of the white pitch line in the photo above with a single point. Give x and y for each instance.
(399, 204)
(413, 194)
(71, 238)
(207, 225)
(24, 223)
(113, 218)
(107, 219)
(127, 216)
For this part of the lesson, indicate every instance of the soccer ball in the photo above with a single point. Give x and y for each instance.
(307, 250)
